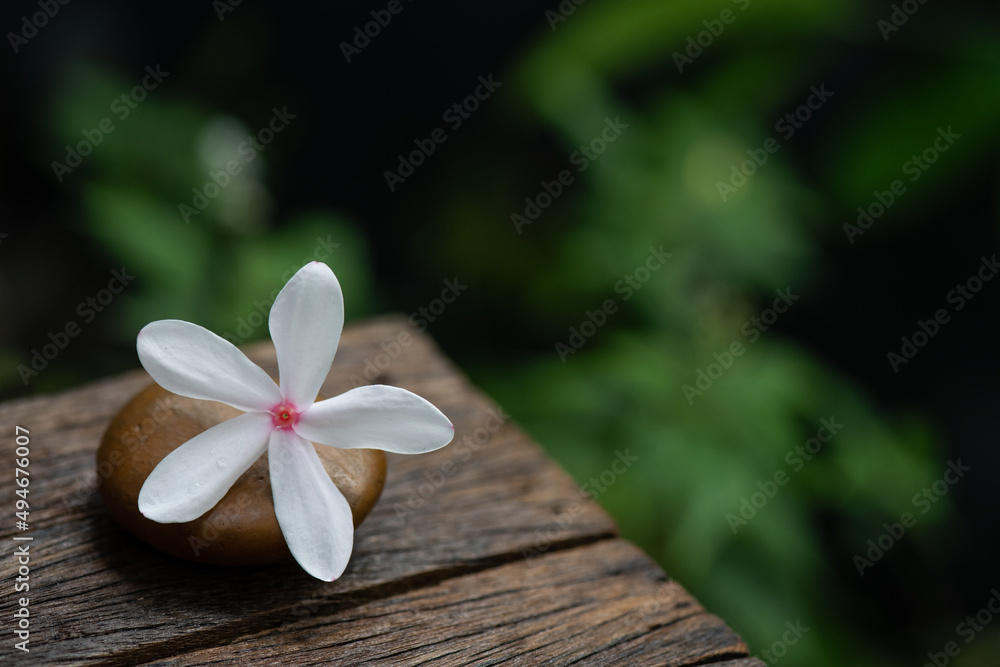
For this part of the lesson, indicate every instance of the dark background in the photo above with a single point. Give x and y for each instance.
(324, 176)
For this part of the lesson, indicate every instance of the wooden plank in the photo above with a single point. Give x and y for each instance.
(600, 604)
(98, 595)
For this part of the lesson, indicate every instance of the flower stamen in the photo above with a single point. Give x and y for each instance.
(284, 416)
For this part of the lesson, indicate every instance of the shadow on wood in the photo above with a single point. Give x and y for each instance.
(463, 560)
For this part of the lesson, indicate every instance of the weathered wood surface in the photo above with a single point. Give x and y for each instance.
(500, 559)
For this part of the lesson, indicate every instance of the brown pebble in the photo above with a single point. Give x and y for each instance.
(242, 528)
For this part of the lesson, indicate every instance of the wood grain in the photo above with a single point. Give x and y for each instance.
(600, 603)
(483, 552)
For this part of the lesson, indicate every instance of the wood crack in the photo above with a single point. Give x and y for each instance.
(467, 559)
(226, 634)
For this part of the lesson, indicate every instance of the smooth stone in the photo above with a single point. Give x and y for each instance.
(242, 528)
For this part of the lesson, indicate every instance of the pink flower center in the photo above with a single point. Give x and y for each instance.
(284, 415)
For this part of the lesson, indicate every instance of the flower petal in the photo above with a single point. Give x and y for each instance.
(196, 475)
(314, 516)
(377, 417)
(305, 322)
(192, 361)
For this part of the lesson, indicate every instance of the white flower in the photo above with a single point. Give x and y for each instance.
(305, 322)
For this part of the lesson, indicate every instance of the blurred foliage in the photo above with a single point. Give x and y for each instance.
(208, 264)
(654, 186)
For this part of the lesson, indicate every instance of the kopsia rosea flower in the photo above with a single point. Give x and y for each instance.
(282, 419)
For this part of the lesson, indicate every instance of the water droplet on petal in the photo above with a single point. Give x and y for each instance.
(222, 462)
(193, 489)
